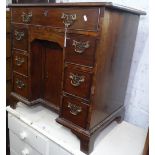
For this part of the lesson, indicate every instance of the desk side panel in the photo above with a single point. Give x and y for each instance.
(114, 55)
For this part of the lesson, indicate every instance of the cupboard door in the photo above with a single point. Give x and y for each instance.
(53, 72)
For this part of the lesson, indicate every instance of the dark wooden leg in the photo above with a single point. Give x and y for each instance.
(13, 102)
(120, 117)
(87, 137)
(86, 142)
(13, 105)
(87, 145)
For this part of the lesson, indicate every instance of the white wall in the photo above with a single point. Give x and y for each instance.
(137, 100)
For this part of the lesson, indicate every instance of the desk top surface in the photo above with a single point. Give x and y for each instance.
(84, 4)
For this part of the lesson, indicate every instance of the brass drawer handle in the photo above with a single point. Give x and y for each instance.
(76, 79)
(20, 84)
(68, 19)
(19, 61)
(74, 109)
(26, 17)
(19, 35)
(80, 46)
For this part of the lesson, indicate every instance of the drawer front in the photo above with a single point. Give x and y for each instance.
(20, 85)
(28, 135)
(8, 20)
(77, 81)
(32, 1)
(21, 15)
(20, 62)
(73, 18)
(8, 46)
(8, 69)
(20, 37)
(20, 147)
(80, 49)
(8, 90)
(75, 111)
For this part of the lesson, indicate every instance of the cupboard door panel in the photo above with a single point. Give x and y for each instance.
(53, 72)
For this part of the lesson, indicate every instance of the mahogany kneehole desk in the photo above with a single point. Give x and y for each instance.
(74, 58)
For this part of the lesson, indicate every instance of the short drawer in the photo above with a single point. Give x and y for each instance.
(20, 37)
(8, 45)
(21, 15)
(8, 69)
(75, 111)
(8, 20)
(77, 81)
(20, 147)
(20, 85)
(73, 18)
(8, 90)
(28, 135)
(20, 62)
(80, 49)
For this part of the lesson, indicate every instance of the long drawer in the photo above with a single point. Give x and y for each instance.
(28, 135)
(79, 18)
